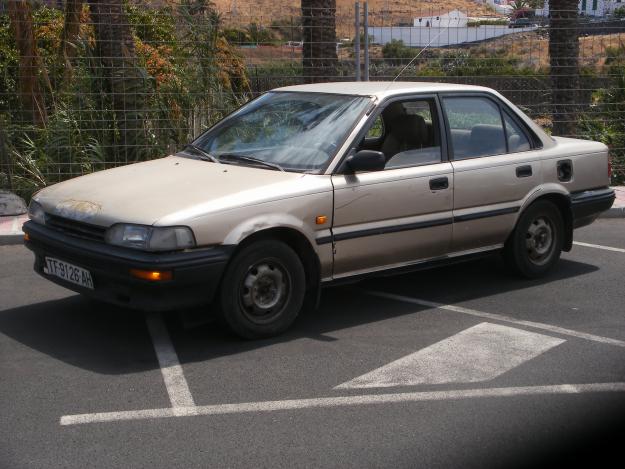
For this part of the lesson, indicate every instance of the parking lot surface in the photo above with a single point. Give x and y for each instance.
(462, 366)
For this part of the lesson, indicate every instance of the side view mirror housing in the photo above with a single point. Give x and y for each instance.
(365, 160)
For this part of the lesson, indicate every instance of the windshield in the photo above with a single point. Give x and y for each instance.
(296, 131)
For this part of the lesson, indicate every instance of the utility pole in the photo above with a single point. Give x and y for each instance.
(366, 27)
(357, 39)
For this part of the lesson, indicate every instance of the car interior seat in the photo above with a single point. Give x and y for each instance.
(487, 139)
(404, 132)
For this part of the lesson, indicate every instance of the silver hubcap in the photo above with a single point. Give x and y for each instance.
(539, 240)
(264, 291)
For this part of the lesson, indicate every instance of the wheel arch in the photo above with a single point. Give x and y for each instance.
(562, 200)
(302, 246)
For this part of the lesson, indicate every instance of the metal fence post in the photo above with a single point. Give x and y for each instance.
(5, 160)
(357, 40)
(366, 31)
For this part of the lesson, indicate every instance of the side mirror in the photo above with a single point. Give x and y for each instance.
(366, 160)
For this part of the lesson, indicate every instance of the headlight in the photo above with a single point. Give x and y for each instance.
(36, 213)
(150, 238)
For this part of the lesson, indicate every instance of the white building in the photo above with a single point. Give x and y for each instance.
(453, 19)
(500, 6)
(589, 7)
(441, 37)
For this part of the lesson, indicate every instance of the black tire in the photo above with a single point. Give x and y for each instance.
(262, 290)
(535, 245)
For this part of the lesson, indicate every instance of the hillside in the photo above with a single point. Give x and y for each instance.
(383, 12)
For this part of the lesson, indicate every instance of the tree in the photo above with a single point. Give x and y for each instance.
(564, 65)
(124, 80)
(319, 59)
(30, 92)
(518, 4)
(71, 32)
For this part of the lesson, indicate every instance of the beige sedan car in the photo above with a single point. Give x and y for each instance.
(311, 185)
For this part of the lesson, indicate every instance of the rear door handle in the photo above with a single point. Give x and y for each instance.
(523, 171)
(439, 183)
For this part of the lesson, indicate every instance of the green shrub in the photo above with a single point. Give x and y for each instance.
(605, 121)
(191, 77)
(488, 22)
(396, 52)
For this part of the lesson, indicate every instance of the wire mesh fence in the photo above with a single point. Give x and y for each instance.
(88, 84)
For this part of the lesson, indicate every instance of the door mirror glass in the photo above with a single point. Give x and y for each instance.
(366, 160)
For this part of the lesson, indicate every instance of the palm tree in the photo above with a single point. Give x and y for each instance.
(31, 95)
(124, 80)
(319, 57)
(518, 4)
(564, 65)
(71, 31)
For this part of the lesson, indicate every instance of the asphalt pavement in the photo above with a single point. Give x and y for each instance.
(463, 366)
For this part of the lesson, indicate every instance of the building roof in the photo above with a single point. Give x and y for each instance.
(379, 89)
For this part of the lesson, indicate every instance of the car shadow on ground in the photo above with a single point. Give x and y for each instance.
(111, 340)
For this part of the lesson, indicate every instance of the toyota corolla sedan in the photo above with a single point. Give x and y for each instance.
(310, 185)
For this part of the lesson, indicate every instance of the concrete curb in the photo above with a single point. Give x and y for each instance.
(11, 230)
(614, 212)
(11, 239)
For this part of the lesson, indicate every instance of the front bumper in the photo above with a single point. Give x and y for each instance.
(196, 273)
(586, 206)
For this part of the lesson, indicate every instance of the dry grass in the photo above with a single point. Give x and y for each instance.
(533, 49)
(382, 12)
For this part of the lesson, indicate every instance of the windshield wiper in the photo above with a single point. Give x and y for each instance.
(250, 159)
(204, 155)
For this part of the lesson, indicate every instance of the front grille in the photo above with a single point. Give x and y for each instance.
(75, 228)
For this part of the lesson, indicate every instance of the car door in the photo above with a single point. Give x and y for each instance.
(496, 164)
(402, 214)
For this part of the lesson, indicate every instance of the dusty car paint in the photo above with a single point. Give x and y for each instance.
(375, 220)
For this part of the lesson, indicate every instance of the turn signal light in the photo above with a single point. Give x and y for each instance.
(321, 219)
(26, 237)
(152, 275)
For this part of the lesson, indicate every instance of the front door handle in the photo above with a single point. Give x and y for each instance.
(439, 183)
(523, 171)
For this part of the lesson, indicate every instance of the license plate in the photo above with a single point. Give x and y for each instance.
(68, 272)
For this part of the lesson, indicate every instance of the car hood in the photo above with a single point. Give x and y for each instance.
(146, 192)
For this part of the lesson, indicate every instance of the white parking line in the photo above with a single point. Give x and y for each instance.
(499, 317)
(175, 382)
(479, 353)
(598, 246)
(325, 402)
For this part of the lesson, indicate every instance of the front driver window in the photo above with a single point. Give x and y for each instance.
(410, 136)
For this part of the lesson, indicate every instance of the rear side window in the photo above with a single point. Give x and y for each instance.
(517, 140)
(476, 127)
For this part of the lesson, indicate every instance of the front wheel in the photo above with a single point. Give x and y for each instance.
(536, 243)
(263, 290)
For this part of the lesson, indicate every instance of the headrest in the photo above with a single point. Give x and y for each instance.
(487, 132)
(488, 139)
(411, 129)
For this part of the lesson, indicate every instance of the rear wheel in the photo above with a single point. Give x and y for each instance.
(536, 243)
(263, 290)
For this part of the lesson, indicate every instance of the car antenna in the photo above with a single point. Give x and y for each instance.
(420, 52)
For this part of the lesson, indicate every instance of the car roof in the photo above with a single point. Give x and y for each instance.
(380, 89)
